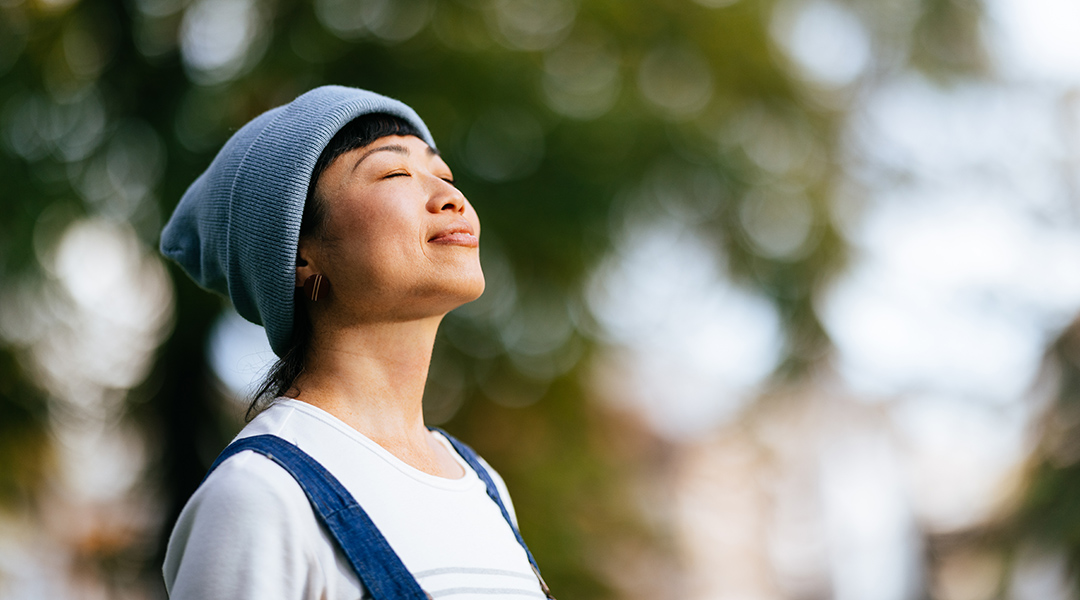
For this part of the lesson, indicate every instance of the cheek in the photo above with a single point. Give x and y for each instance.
(472, 215)
(368, 220)
(376, 239)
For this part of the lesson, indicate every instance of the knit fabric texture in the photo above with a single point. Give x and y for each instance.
(236, 229)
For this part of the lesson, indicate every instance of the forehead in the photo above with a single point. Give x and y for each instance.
(408, 146)
(339, 170)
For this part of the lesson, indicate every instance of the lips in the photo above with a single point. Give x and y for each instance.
(459, 234)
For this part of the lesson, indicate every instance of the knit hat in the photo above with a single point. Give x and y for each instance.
(236, 228)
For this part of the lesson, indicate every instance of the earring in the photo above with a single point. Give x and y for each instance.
(316, 286)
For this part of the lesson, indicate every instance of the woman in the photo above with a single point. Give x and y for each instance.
(334, 222)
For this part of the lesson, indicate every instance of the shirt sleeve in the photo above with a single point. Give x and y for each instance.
(245, 534)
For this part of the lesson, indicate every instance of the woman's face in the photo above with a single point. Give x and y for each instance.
(399, 241)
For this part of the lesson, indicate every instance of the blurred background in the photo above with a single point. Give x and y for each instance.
(781, 293)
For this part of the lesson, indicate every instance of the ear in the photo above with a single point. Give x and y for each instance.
(305, 265)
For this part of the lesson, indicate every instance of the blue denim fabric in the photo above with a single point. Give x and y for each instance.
(375, 562)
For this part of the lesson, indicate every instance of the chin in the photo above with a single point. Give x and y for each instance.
(449, 295)
(472, 288)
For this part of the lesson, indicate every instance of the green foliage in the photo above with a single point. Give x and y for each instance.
(568, 174)
(948, 38)
(1050, 511)
(24, 451)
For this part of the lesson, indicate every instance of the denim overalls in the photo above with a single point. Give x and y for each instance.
(376, 564)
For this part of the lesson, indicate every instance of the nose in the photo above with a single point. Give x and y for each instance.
(446, 197)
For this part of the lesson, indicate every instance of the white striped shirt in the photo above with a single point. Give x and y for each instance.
(250, 533)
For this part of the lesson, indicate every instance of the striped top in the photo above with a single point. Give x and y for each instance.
(249, 531)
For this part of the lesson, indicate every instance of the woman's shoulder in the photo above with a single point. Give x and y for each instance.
(247, 496)
(251, 480)
(248, 500)
(250, 488)
(248, 517)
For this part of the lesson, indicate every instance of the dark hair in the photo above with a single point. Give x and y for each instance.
(359, 132)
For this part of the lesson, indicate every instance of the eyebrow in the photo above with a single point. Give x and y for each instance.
(395, 148)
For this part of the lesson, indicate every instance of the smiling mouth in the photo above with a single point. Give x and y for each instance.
(456, 237)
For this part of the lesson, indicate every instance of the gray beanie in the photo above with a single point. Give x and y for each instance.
(236, 228)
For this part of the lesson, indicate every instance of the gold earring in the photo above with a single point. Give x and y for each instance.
(316, 286)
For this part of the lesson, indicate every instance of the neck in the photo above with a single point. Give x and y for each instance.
(371, 376)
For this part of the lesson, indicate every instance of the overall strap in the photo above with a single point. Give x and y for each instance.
(473, 461)
(375, 562)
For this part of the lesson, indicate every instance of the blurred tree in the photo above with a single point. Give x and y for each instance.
(1050, 513)
(552, 112)
(23, 440)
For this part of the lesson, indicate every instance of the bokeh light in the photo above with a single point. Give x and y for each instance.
(781, 296)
